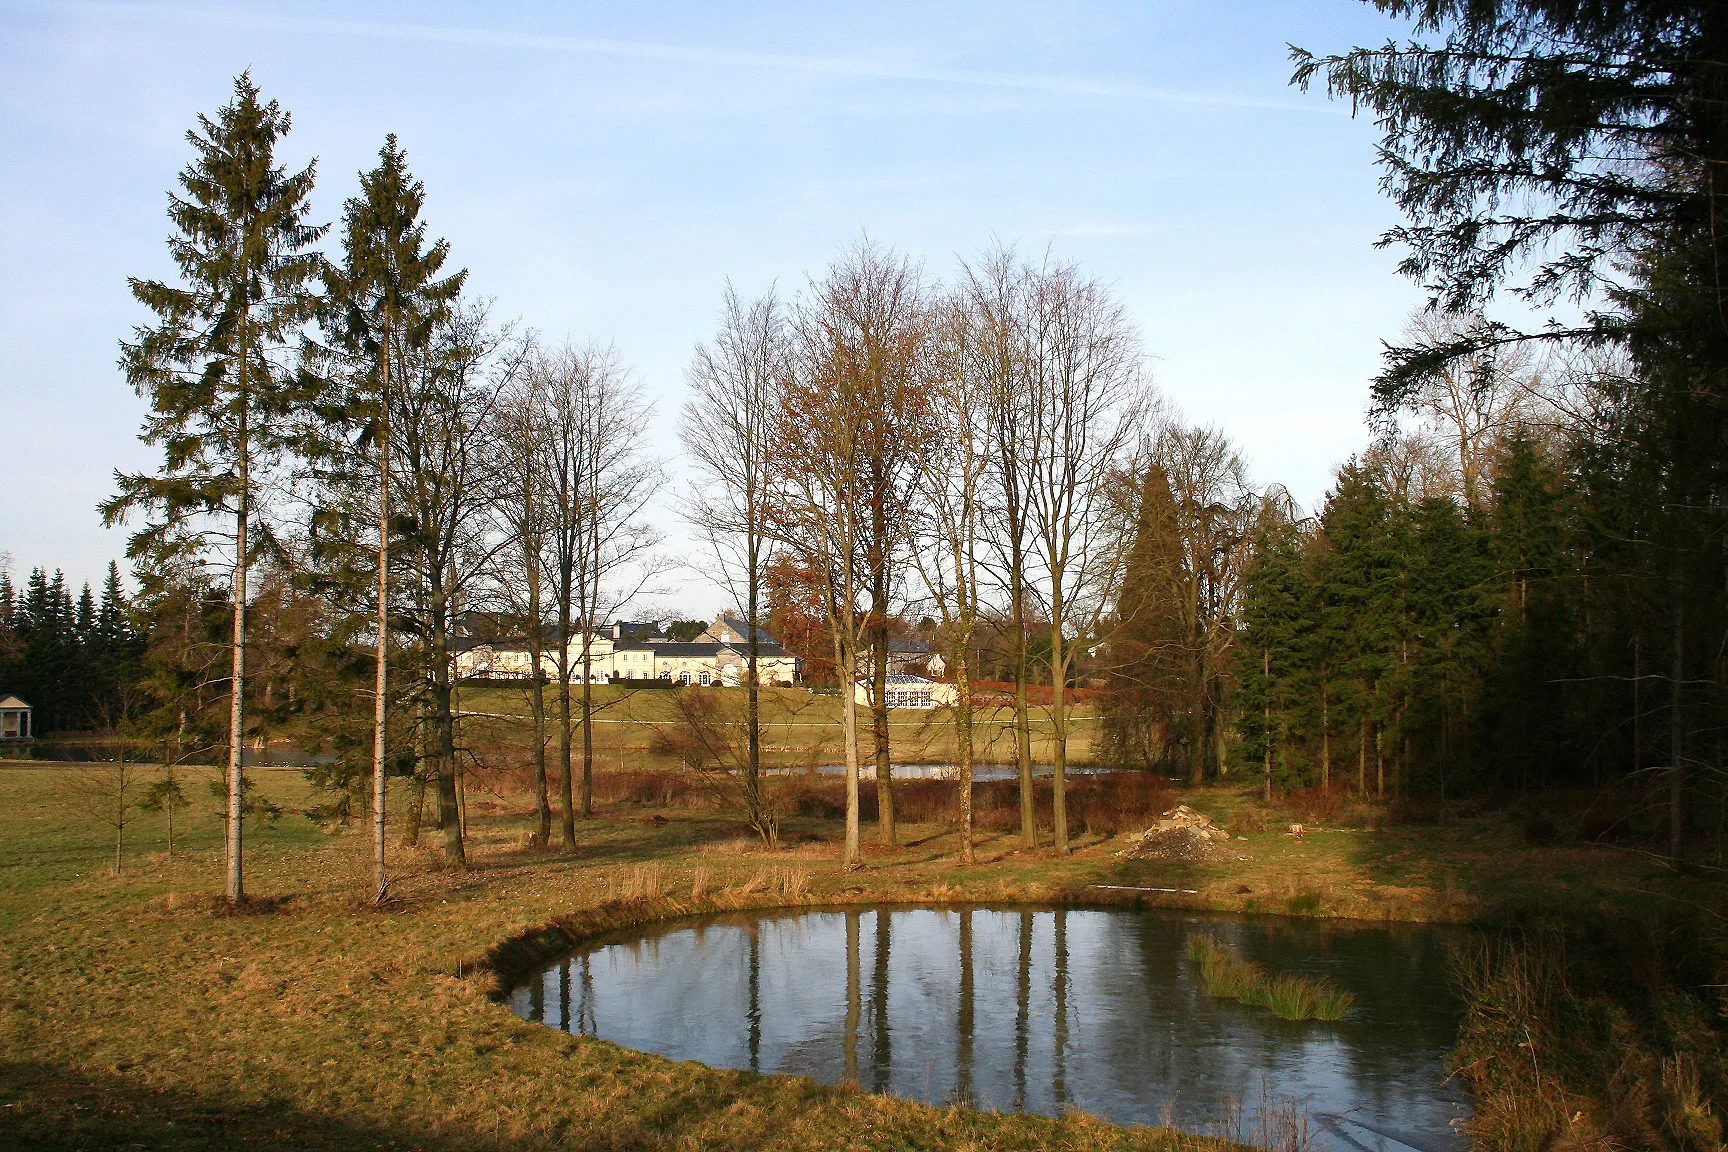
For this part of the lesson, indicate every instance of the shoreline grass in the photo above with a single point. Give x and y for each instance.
(1227, 976)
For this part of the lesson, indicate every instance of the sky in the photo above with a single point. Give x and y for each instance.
(603, 169)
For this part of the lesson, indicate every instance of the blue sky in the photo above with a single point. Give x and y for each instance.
(603, 168)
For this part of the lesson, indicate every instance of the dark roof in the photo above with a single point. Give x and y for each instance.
(710, 648)
(908, 647)
(691, 649)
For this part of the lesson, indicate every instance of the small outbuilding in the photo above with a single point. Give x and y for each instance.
(14, 719)
(907, 691)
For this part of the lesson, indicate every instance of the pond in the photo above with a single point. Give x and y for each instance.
(1039, 1011)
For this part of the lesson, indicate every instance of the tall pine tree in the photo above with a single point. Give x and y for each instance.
(214, 367)
(386, 301)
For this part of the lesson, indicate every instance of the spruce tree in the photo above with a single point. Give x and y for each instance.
(213, 367)
(1275, 656)
(385, 303)
(1148, 650)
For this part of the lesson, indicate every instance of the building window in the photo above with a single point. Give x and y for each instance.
(705, 680)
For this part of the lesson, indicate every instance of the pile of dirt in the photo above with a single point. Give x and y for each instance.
(1180, 834)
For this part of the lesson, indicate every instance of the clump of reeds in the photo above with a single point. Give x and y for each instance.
(790, 884)
(1228, 976)
(1223, 973)
(644, 882)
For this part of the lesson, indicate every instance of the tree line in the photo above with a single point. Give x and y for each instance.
(355, 454)
(1514, 587)
(75, 659)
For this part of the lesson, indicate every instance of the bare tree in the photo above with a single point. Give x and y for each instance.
(1465, 408)
(891, 356)
(1085, 403)
(597, 487)
(105, 793)
(996, 291)
(726, 427)
(853, 337)
(443, 484)
(952, 490)
(521, 428)
(617, 562)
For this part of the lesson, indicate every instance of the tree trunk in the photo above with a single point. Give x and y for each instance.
(566, 784)
(1266, 671)
(963, 734)
(759, 819)
(444, 731)
(1325, 740)
(237, 684)
(537, 691)
(1022, 716)
(1058, 723)
(878, 557)
(587, 723)
(1362, 758)
(846, 662)
(381, 684)
(1677, 725)
(879, 714)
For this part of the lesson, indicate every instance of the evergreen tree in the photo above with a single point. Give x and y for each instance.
(1358, 585)
(1148, 653)
(212, 367)
(11, 644)
(1276, 658)
(385, 304)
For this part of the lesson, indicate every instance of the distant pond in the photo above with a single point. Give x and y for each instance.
(1037, 1011)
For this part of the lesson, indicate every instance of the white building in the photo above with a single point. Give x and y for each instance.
(14, 719)
(908, 691)
(631, 651)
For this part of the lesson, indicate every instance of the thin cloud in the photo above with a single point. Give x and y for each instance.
(1085, 230)
(683, 54)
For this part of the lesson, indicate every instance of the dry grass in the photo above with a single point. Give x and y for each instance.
(138, 1010)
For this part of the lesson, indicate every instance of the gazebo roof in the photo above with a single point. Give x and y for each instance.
(12, 702)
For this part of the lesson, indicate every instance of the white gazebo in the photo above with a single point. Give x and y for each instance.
(14, 719)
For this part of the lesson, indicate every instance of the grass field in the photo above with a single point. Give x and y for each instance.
(799, 728)
(138, 1011)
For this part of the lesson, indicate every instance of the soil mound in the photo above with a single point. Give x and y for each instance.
(1180, 834)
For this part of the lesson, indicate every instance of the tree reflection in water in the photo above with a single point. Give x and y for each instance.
(1033, 1010)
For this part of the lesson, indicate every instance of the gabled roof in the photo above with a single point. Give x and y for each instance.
(728, 626)
(12, 703)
